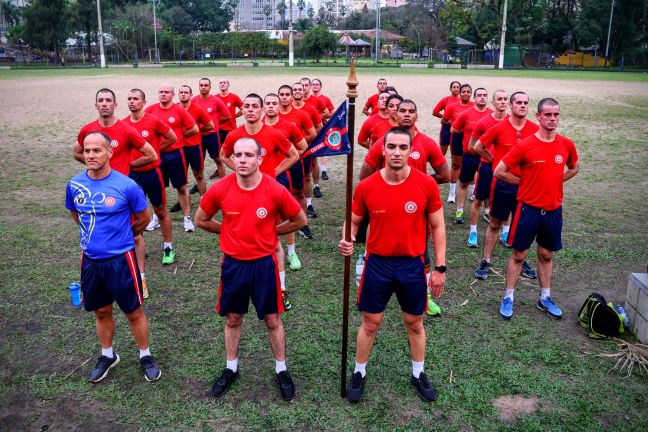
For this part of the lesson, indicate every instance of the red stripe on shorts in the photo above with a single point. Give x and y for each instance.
(159, 174)
(280, 305)
(130, 258)
(514, 224)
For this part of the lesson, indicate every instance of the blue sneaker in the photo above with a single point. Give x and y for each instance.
(506, 308)
(504, 239)
(472, 240)
(482, 272)
(550, 308)
(528, 271)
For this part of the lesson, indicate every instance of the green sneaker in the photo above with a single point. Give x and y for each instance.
(433, 309)
(168, 257)
(293, 262)
(459, 217)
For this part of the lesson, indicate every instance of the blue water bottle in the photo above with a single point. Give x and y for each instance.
(622, 313)
(75, 293)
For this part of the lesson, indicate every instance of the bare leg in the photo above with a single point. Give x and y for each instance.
(277, 335)
(462, 192)
(183, 199)
(233, 325)
(367, 335)
(105, 325)
(415, 335)
(279, 253)
(138, 324)
(316, 171)
(220, 167)
(456, 167)
(200, 181)
(514, 267)
(490, 238)
(474, 211)
(545, 267)
(140, 252)
(165, 223)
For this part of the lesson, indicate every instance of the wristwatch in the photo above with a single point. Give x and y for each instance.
(441, 268)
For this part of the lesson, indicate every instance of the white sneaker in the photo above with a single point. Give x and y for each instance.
(451, 198)
(188, 225)
(153, 224)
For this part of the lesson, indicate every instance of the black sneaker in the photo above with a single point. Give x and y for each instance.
(310, 212)
(176, 208)
(224, 382)
(528, 271)
(151, 368)
(324, 175)
(355, 389)
(426, 392)
(194, 189)
(317, 193)
(286, 303)
(286, 385)
(306, 232)
(104, 364)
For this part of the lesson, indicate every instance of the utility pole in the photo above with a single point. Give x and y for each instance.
(291, 43)
(607, 46)
(102, 56)
(503, 38)
(157, 54)
(377, 32)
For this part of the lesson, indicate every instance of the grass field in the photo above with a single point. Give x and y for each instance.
(527, 374)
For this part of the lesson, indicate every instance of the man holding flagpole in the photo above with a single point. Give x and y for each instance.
(401, 203)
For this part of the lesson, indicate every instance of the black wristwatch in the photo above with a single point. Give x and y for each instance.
(441, 268)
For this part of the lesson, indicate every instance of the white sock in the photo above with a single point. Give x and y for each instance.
(187, 217)
(291, 249)
(544, 293)
(505, 228)
(453, 188)
(282, 279)
(487, 260)
(309, 201)
(323, 167)
(108, 352)
(280, 366)
(509, 293)
(471, 189)
(232, 365)
(145, 352)
(473, 228)
(316, 185)
(417, 368)
(167, 245)
(360, 367)
(142, 275)
(460, 209)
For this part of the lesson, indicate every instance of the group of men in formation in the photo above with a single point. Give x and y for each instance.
(513, 166)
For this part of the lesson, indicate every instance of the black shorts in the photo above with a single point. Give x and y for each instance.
(194, 157)
(444, 135)
(173, 168)
(308, 165)
(532, 223)
(503, 199)
(484, 181)
(210, 143)
(152, 184)
(456, 148)
(469, 166)
(109, 280)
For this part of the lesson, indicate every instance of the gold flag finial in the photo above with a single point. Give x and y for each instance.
(352, 80)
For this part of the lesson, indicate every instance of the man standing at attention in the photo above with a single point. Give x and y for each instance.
(401, 203)
(248, 199)
(539, 163)
(101, 201)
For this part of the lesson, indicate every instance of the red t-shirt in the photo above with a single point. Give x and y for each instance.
(175, 116)
(444, 103)
(316, 103)
(151, 128)
(380, 130)
(452, 111)
(327, 102)
(215, 108)
(397, 213)
(232, 102)
(288, 129)
(123, 139)
(466, 122)
(312, 114)
(249, 222)
(202, 118)
(503, 136)
(299, 119)
(372, 103)
(482, 126)
(424, 150)
(274, 146)
(365, 129)
(541, 166)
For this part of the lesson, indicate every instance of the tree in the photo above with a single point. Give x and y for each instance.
(325, 17)
(9, 14)
(178, 20)
(267, 10)
(319, 39)
(301, 5)
(310, 12)
(281, 9)
(206, 15)
(46, 24)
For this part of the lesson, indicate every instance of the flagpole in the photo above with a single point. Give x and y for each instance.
(352, 94)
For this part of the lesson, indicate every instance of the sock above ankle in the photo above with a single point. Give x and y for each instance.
(473, 228)
(280, 366)
(417, 368)
(232, 365)
(505, 228)
(167, 245)
(309, 201)
(453, 187)
(509, 293)
(145, 352)
(108, 352)
(291, 249)
(282, 280)
(361, 367)
(544, 293)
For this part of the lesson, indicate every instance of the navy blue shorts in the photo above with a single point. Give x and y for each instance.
(503, 199)
(116, 279)
(308, 165)
(444, 135)
(244, 280)
(173, 168)
(297, 175)
(284, 180)
(210, 143)
(194, 157)
(484, 181)
(456, 144)
(531, 223)
(152, 184)
(383, 276)
(469, 166)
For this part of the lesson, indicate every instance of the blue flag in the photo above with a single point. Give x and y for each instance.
(333, 139)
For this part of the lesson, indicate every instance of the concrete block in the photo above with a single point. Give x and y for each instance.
(632, 293)
(151, 65)
(414, 65)
(271, 64)
(640, 328)
(447, 66)
(642, 303)
(5, 67)
(631, 312)
(242, 64)
(480, 66)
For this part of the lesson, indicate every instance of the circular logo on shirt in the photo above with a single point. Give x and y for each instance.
(114, 143)
(229, 104)
(171, 119)
(209, 109)
(263, 152)
(110, 201)
(559, 159)
(261, 212)
(410, 207)
(415, 155)
(79, 199)
(145, 133)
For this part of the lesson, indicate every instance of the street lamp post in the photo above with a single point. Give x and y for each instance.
(157, 54)
(377, 32)
(291, 43)
(503, 37)
(607, 46)
(102, 56)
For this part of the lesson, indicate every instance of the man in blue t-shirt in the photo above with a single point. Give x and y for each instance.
(103, 202)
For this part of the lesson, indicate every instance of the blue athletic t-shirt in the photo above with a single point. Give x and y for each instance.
(104, 207)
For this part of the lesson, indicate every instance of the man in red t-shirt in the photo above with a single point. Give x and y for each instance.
(314, 101)
(220, 115)
(371, 106)
(149, 177)
(316, 90)
(364, 136)
(450, 114)
(439, 108)
(173, 165)
(251, 203)
(464, 124)
(538, 165)
(123, 137)
(503, 137)
(401, 203)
